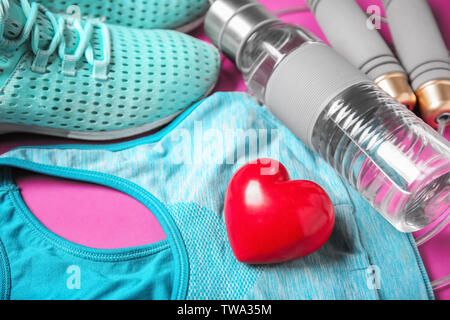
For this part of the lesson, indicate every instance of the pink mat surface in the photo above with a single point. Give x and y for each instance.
(98, 217)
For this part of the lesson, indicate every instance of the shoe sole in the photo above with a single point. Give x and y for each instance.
(6, 128)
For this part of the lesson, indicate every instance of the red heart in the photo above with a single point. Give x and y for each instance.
(271, 219)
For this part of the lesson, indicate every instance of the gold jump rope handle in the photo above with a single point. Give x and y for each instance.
(424, 55)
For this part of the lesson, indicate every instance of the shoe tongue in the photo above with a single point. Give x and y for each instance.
(15, 20)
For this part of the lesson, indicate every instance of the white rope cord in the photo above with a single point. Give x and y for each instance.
(433, 232)
(441, 283)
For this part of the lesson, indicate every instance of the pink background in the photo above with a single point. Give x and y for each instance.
(98, 217)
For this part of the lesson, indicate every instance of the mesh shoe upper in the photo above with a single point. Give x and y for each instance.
(144, 14)
(152, 75)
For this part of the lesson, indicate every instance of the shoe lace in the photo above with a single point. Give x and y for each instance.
(31, 30)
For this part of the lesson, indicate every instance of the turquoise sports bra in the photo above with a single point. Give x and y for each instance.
(38, 264)
(181, 175)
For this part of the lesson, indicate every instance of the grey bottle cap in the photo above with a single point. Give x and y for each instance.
(229, 23)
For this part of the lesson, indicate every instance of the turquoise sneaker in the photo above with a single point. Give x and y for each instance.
(93, 81)
(181, 15)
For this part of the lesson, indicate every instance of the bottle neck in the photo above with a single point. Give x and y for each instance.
(265, 49)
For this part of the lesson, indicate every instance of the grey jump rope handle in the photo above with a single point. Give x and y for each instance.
(345, 25)
(417, 38)
(321, 74)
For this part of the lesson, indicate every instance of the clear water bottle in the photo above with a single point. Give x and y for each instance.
(398, 163)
